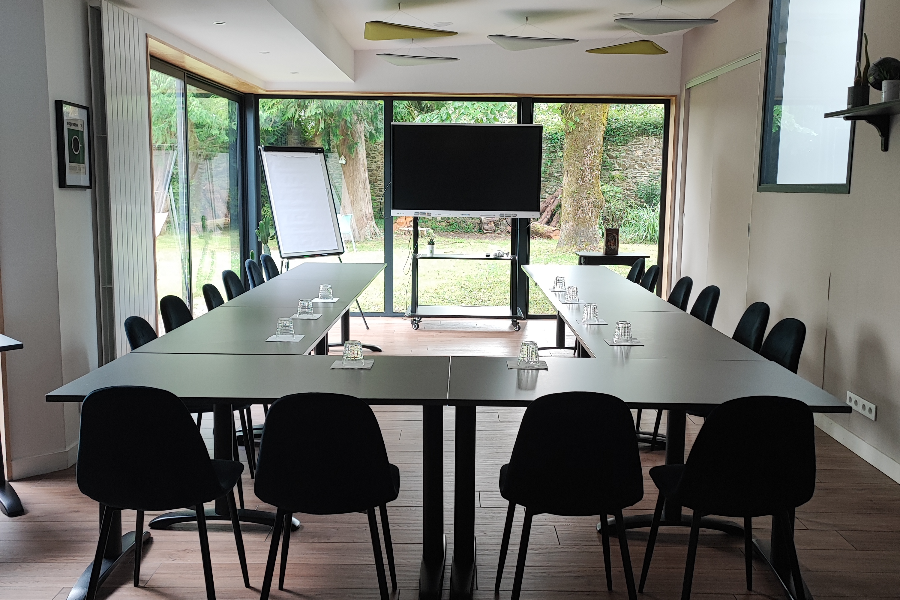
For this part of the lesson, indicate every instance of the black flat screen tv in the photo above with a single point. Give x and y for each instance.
(463, 170)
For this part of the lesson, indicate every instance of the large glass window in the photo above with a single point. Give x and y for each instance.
(603, 167)
(813, 49)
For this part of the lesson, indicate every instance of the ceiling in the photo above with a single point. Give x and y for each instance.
(267, 42)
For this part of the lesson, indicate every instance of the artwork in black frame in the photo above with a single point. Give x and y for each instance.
(73, 147)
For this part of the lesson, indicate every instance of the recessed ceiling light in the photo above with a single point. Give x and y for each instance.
(294, 72)
(443, 24)
(219, 23)
(618, 15)
(264, 52)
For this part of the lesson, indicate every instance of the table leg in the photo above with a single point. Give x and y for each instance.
(462, 568)
(118, 547)
(322, 347)
(560, 331)
(223, 448)
(345, 326)
(434, 542)
(775, 553)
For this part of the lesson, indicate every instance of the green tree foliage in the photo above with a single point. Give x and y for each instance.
(453, 111)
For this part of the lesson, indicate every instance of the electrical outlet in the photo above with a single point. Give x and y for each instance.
(861, 406)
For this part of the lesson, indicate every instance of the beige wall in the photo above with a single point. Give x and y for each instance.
(826, 259)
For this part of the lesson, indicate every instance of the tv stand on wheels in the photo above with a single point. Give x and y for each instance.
(416, 312)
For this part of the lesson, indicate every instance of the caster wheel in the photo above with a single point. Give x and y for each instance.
(516, 326)
(415, 324)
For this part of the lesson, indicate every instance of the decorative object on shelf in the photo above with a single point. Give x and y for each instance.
(611, 241)
(73, 149)
(519, 42)
(639, 47)
(430, 246)
(890, 90)
(858, 93)
(658, 26)
(883, 69)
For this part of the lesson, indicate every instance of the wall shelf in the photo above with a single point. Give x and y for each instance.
(878, 115)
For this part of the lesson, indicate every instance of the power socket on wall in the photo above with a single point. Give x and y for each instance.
(861, 406)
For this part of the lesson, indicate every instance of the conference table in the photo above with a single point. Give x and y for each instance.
(663, 375)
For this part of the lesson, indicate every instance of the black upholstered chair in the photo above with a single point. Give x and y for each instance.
(269, 268)
(234, 287)
(681, 293)
(212, 296)
(650, 278)
(254, 273)
(752, 326)
(323, 454)
(705, 306)
(637, 271)
(753, 457)
(138, 332)
(123, 463)
(784, 344)
(175, 312)
(575, 455)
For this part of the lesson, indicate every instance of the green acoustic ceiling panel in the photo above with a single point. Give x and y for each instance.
(638, 47)
(381, 30)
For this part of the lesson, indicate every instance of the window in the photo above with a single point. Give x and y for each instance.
(813, 49)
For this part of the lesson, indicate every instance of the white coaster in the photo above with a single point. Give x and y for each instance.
(364, 365)
(540, 365)
(558, 291)
(285, 338)
(578, 301)
(332, 301)
(631, 342)
(597, 322)
(306, 317)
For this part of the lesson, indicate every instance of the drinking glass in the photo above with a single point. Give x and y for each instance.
(528, 353)
(571, 294)
(285, 326)
(305, 307)
(623, 331)
(560, 283)
(325, 292)
(590, 314)
(352, 352)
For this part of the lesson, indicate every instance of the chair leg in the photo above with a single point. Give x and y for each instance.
(788, 528)
(138, 546)
(273, 553)
(285, 545)
(204, 553)
(237, 458)
(250, 442)
(388, 545)
(265, 410)
(607, 561)
(523, 552)
(626, 556)
(651, 541)
(637, 420)
(504, 545)
(653, 439)
(247, 444)
(199, 419)
(748, 550)
(691, 556)
(238, 537)
(379, 559)
(105, 525)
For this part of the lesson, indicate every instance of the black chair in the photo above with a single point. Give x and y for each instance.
(681, 293)
(752, 326)
(175, 312)
(233, 285)
(650, 278)
(637, 271)
(785, 343)
(212, 296)
(705, 306)
(575, 455)
(269, 268)
(123, 463)
(254, 273)
(138, 332)
(323, 454)
(753, 457)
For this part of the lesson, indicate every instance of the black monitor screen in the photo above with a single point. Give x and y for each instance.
(466, 170)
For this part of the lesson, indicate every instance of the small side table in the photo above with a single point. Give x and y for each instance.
(9, 499)
(598, 258)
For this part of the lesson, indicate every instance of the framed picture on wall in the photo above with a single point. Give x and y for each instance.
(73, 147)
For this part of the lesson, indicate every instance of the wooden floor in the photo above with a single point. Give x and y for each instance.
(848, 535)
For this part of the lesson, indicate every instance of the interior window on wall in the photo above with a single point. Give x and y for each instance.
(812, 56)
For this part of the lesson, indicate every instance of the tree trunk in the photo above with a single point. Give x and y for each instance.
(582, 199)
(358, 200)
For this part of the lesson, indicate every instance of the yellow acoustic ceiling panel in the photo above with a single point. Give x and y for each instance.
(638, 47)
(381, 30)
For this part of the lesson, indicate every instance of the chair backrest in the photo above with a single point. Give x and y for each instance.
(752, 326)
(323, 454)
(576, 453)
(139, 448)
(212, 296)
(637, 271)
(139, 332)
(784, 344)
(269, 268)
(175, 312)
(650, 278)
(705, 306)
(234, 287)
(753, 456)
(681, 293)
(254, 273)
